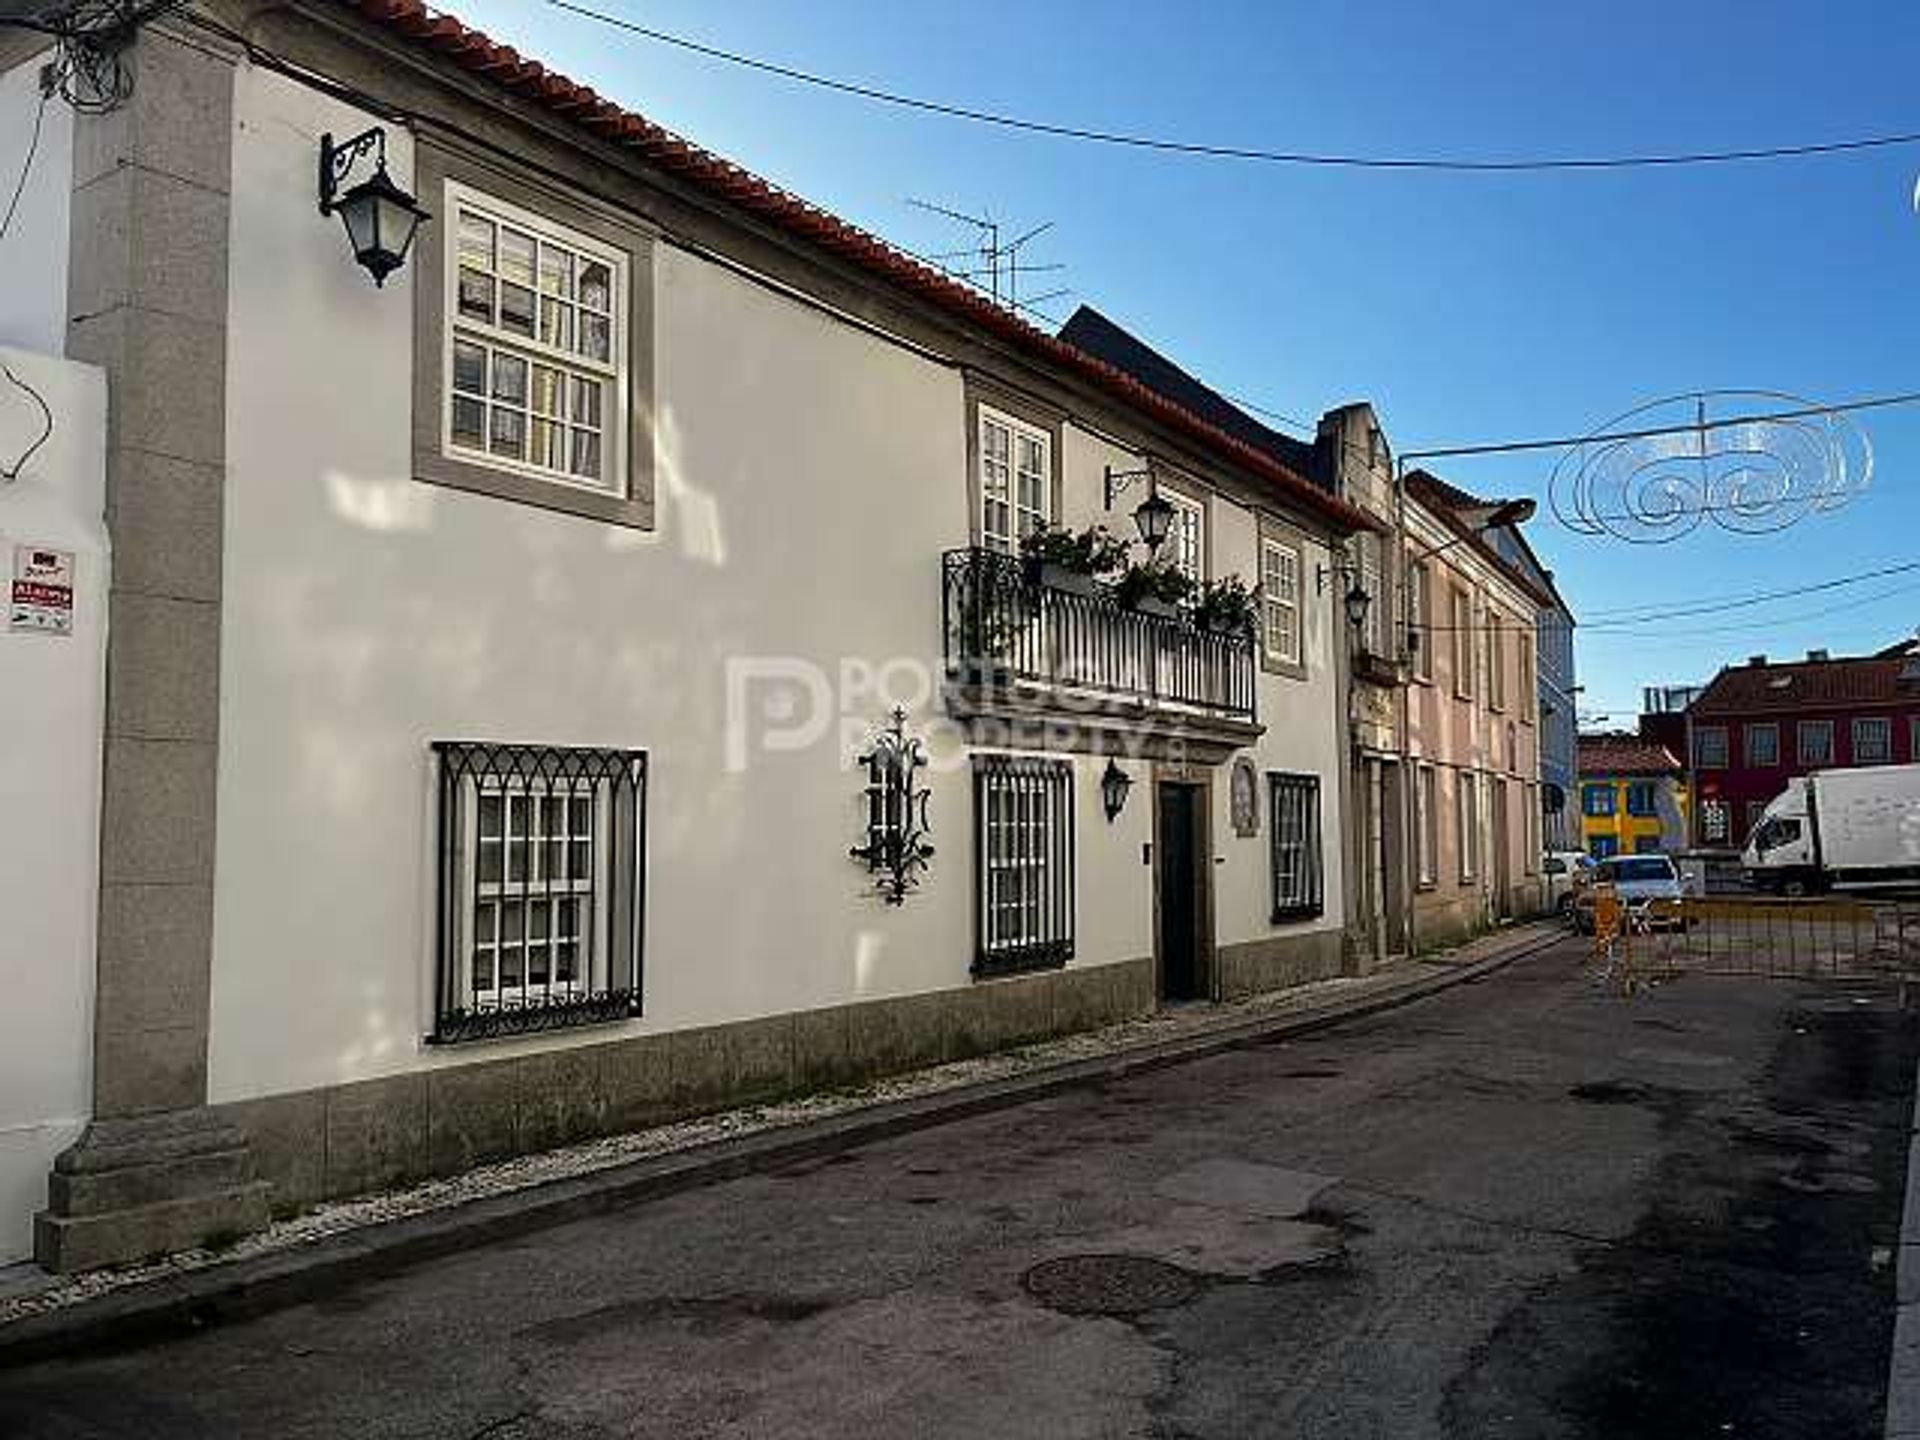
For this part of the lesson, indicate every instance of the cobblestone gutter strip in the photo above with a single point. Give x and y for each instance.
(338, 1243)
(1903, 1370)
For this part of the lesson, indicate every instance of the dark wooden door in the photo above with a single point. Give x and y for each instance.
(1178, 888)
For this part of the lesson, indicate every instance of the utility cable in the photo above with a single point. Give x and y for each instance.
(1135, 141)
(26, 165)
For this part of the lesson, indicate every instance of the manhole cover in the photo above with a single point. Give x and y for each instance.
(1108, 1284)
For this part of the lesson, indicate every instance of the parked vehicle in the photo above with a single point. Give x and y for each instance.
(1565, 871)
(1845, 829)
(1649, 883)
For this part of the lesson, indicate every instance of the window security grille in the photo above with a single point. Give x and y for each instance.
(1023, 850)
(541, 871)
(1293, 813)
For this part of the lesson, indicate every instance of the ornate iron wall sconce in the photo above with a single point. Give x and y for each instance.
(1114, 785)
(381, 218)
(1356, 600)
(1154, 515)
(897, 827)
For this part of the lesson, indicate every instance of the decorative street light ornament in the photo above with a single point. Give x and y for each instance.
(379, 216)
(1653, 474)
(1357, 600)
(1153, 515)
(897, 828)
(1114, 785)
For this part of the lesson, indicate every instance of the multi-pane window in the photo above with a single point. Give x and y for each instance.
(539, 888)
(1293, 821)
(535, 348)
(1597, 799)
(1602, 846)
(1641, 799)
(1016, 481)
(1461, 606)
(1426, 830)
(1469, 817)
(1370, 574)
(1523, 667)
(1872, 741)
(1714, 820)
(1185, 547)
(1023, 813)
(1816, 742)
(1280, 601)
(1420, 621)
(1496, 670)
(1763, 745)
(1710, 747)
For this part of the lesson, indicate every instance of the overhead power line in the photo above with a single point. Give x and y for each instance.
(1327, 160)
(1605, 619)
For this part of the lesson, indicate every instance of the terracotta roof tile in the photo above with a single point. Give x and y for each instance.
(1811, 684)
(473, 51)
(1614, 754)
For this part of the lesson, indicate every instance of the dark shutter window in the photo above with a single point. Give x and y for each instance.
(540, 888)
(1023, 853)
(1293, 822)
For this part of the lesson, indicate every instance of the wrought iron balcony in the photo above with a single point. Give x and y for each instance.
(1079, 649)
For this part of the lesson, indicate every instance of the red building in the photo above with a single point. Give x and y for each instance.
(1755, 726)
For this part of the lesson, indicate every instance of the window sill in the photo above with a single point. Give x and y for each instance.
(435, 469)
(459, 1027)
(1026, 960)
(1291, 914)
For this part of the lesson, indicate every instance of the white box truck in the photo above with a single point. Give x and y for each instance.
(1839, 829)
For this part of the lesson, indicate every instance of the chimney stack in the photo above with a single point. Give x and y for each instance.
(1818, 655)
(1756, 661)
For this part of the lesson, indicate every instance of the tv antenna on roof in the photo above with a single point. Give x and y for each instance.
(989, 264)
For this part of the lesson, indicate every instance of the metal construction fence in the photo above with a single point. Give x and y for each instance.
(1818, 939)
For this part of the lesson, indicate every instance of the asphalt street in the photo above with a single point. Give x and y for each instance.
(1522, 1208)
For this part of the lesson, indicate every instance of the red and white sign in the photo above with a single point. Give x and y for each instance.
(42, 596)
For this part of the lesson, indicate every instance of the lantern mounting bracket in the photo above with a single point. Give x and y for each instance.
(337, 160)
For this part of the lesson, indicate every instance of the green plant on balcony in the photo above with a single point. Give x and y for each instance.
(1155, 588)
(1227, 606)
(1072, 559)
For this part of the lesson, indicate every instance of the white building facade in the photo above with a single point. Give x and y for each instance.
(491, 653)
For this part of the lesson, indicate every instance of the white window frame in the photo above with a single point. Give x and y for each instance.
(1426, 825)
(1025, 843)
(1420, 618)
(1022, 519)
(588, 893)
(1185, 547)
(1467, 814)
(613, 375)
(1771, 730)
(1808, 728)
(1864, 723)
(1280, 613)
(1702, 759)
(1460, 616)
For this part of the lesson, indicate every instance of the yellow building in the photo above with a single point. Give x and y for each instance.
(1633, 796)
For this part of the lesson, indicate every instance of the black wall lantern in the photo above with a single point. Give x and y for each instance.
(1153, 515)
(1357, 599)
(380, 217)
(1114, 786)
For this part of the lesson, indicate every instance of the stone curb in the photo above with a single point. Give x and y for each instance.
(183, 1303)
(1903, 1365)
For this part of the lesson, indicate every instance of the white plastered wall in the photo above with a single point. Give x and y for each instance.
(33, 253)
(52, 711)
(809, 477)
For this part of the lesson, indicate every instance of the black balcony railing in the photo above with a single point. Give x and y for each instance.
(1002, 623)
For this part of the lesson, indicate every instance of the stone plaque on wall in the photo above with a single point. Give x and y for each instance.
(1243, 798)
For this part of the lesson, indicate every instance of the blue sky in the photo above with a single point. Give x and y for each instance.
(1466, 308)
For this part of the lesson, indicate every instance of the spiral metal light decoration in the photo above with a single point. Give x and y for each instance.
(1751, 475)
